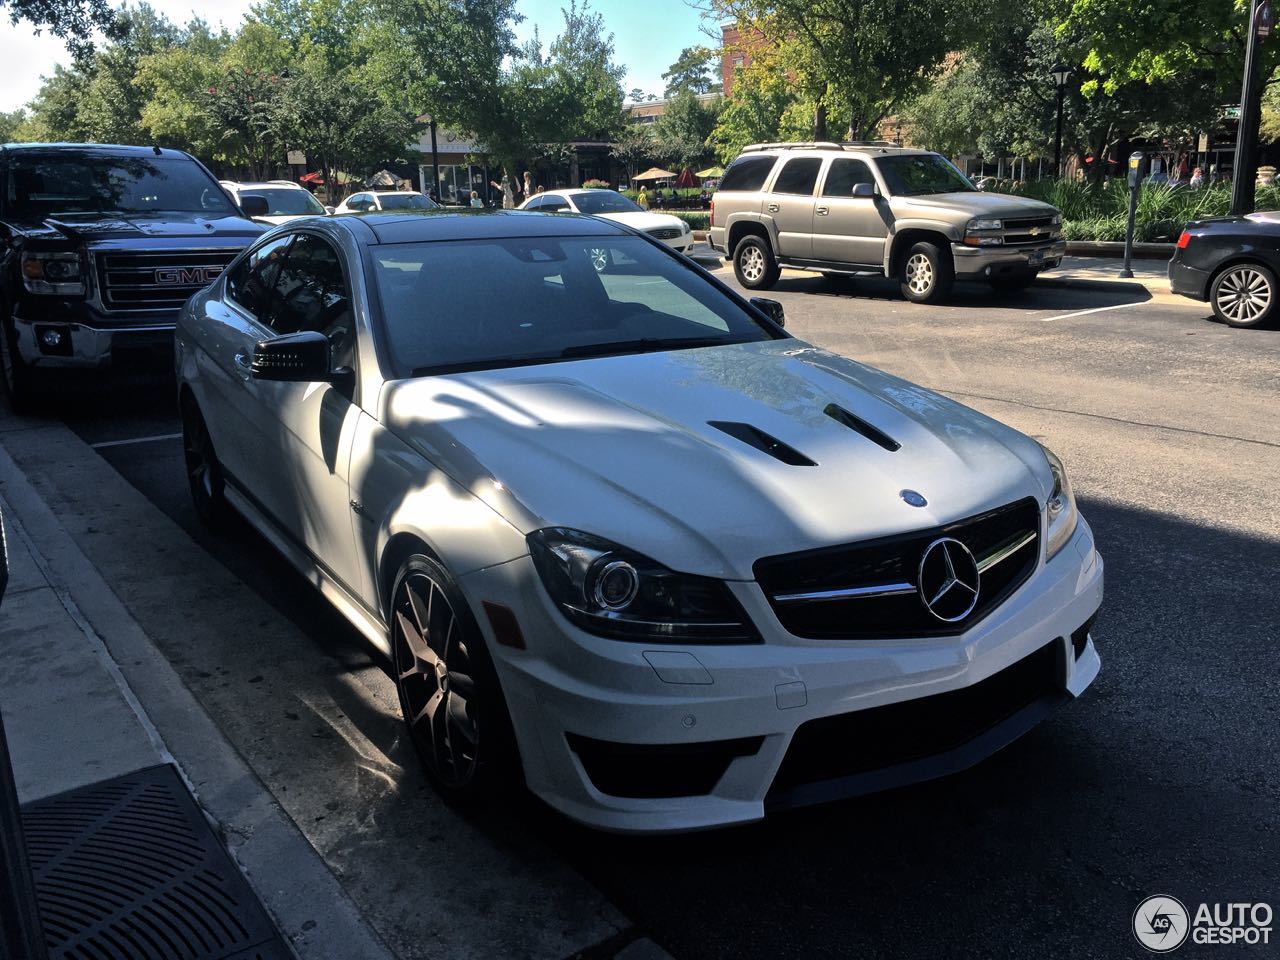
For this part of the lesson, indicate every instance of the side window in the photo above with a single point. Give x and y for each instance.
(843, 175)
(747, 173)
(250, 283)
(358, 202)
(313, 295)
(798, 176)
(537, 203)
(555, 205)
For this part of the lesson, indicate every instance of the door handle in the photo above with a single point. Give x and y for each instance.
(772, 208)
(245, 365)
(822, 211)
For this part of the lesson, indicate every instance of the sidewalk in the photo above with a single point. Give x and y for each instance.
(1105, 271)
(73, 719)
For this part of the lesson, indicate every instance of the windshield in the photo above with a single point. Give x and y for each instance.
(44, 185)
(407, 201)
(604, 201)
(481, 304)
(285, 202)
(914, 174)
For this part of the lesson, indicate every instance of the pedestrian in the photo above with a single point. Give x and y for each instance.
(508, 192)
(1197, 177)
(528, 185)
(476, 201)
(643, 199)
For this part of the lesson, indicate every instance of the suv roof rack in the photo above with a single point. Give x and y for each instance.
(869, 143)
(816, 145)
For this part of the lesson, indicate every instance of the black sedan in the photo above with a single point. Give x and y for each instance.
(1232, 262)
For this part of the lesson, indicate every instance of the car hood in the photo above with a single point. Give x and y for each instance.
(113, 226)
(643, 221)
(975, 204)
(622, 447)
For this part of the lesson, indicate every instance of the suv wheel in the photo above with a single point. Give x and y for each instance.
(1244, 295)
(926, 274)
(754, 265)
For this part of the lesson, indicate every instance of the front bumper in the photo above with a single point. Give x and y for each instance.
(86, 337)
(980, 263)
(680, 244)
(741, 706)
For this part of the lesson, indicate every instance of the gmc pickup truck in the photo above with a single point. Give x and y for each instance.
(100, 246)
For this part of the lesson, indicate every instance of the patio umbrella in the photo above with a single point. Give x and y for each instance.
(655, 173)
(384, 178)
(686, 179)
(710, 172)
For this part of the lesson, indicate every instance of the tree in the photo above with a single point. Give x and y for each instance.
(10, 123)
(636, 95)
(684, 130)
(74, 21)
(691, 72)
(764, 107)
(633, 147)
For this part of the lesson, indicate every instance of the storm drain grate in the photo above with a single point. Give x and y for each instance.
(128, 869)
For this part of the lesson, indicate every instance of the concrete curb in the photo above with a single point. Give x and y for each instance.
(1107, 248)
(308, 904)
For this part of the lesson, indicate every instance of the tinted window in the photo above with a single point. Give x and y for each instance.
(65, 183)
(406, 201)
(554, 204)
(477, 304)
(535, 204)
(843, 174)
(359, 202)
(312, 294)
(747, 173)
(922, 173)
(604, 201)
(250, 283)
(798, 176)
(283, 202)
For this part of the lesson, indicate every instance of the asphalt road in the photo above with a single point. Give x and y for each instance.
(1162, 778)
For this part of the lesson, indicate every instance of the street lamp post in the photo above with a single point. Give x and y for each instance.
(1061, 73)
(435, 161)
(1245, 168)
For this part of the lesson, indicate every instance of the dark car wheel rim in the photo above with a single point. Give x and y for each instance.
(200, 463)
(1244, 295)
(435, 676)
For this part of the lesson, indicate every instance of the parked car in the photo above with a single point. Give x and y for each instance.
(611, 205)
(99, 248)
(609, 537)
(875, 208)
(1232, 262)
(286, 200)
(368, 200)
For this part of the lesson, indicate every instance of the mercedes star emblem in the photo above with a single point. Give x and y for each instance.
(949, 581)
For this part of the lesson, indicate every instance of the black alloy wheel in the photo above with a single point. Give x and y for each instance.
(204, 472)
(448, 689)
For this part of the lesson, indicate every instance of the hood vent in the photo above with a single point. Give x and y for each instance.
(858, 425)
(755, 437)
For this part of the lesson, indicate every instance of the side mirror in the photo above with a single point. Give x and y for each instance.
(294, 358)
(771, 309)
(328, 209)
(864, 189)
(254, 205)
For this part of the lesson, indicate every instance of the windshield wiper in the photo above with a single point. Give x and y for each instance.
(643, 345)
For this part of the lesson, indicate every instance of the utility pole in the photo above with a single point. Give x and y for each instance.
(435, 164)
(1245, 171)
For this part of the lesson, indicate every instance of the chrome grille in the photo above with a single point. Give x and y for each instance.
(157, 280)
(868, 590)
(1027, 230)
(665, 233)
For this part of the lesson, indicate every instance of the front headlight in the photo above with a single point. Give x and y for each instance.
(57, 273)
(1060, 509)
(985, 224)
(1057, 219)
(614, 592)
(684, 227)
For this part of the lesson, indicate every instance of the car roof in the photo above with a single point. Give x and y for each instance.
(260, 184)
(823, 148)
(427, 225)
(383, 193)
(97, 149)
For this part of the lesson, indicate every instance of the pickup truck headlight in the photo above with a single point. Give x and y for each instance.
(614, 592)
(980, 233)
(1060, 511)
(985, 225)
(58, 273)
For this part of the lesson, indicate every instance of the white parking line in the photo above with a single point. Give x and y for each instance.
(121, 443)
(1081, 313)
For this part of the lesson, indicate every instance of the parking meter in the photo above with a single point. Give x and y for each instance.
(1137, 166)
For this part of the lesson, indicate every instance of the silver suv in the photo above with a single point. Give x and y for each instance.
(846, 208)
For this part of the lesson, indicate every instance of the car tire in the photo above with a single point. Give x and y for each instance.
(754, 264)
(19, 378)
(205, 478)
(449, 693)
(1244, 295)
(926, 273)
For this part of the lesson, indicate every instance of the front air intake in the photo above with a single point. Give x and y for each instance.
(858, 425)
(755, 437)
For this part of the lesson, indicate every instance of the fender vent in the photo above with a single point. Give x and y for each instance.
(858, 425)
(755, 437)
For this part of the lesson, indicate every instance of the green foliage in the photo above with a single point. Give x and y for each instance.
(695, 219)
(10, 123)
(634, 146)
(684, 130)
(74, 21)
(596, 185)
(764, 107)
(691, 73)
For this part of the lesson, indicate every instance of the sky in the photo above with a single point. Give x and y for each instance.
(647, 38)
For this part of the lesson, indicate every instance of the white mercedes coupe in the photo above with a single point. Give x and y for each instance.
(611, 205)
(617, 532)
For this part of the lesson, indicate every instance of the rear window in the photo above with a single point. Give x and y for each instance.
(747, 173)
(285, 202)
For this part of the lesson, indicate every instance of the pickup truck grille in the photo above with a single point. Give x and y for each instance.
(665, 233)
(868, 590)
(158, 280)
(1028, 230)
